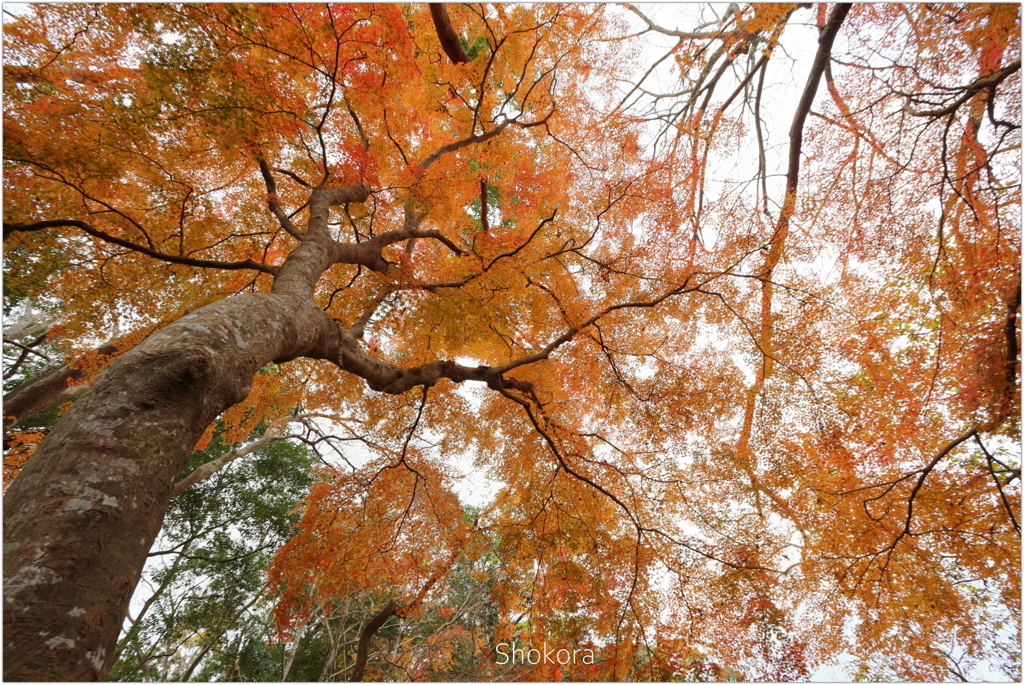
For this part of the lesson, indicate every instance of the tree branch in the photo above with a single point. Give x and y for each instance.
(446, 33)
(106, 237)
(292, 175)
(392, 608)
(1013, 310)
(359, 326)
(821, 58)
(274, 205)
(483, 206)
(394, 380)
(980, 84)
(52, 387)
(208, 469)
(459, 144)
(372, 626)
(27, 349)
(920, 482)
(651, 26)
(999, 485)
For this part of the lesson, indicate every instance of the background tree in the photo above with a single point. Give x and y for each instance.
(206, 599)
(742, 415)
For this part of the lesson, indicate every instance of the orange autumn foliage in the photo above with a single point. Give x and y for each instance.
(756, 421)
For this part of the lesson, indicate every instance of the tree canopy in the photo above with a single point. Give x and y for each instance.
(730, 331)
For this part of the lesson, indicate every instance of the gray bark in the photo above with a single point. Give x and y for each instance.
(82, 515)
(47, 389)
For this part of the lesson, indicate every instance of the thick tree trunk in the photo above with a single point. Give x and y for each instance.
(82, 515)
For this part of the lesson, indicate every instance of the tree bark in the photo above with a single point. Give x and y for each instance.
(48, 388)
(446, 33)
(363, 651)
(82, 515)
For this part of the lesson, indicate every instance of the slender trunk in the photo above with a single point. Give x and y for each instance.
(326, 671)
(82, 515)
(168, 577)
(187, 674)
(363, 651)
(289, 656)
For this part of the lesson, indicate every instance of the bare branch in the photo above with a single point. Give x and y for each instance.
(27, 349)
(274, 205)
(651, 26)
(359, 126)
(106, 237)
(208, 469)
(982, 83)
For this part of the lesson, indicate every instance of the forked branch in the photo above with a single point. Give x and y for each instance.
(275, 206)
(968, 91)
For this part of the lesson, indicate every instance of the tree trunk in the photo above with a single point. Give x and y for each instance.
(289, 655)
(369, 630)
(82, 515)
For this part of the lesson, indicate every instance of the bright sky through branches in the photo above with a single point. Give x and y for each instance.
(684, 334)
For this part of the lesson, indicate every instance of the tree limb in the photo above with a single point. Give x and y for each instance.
(651, 26)
(999, 485)
(10, 228)
(292, 175)
(1013, 311)
(394, 380)
(27, 349)
(483, 206)
(208, 469)
(275, 206)
(362, 651)
(459, 144)
(821, 58)
(920, 482)
(450, 42)
(52, 387)
(980, 84)
(392, 608)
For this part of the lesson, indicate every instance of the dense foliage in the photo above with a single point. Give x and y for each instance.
(731, 343)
